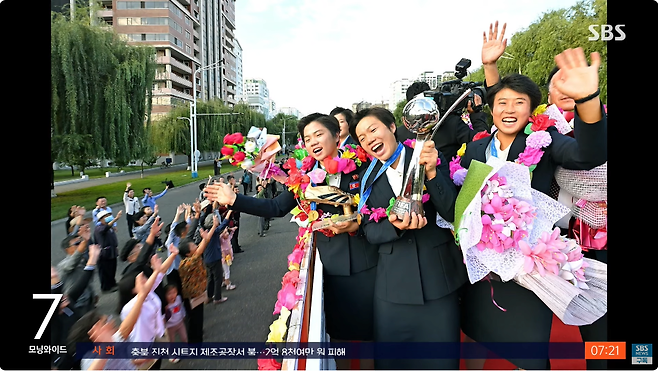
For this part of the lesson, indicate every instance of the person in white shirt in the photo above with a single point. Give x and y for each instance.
(106, 331)
(132, 205)
(150, 325)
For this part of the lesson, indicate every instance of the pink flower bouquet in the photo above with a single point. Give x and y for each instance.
(503, 226)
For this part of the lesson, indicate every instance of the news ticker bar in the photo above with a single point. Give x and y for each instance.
(358, 350)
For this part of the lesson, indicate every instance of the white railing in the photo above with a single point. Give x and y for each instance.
(307, 322)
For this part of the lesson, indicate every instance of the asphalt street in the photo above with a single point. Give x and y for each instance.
(257, 273)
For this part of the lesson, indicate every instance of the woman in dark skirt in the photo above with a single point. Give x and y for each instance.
(522, 316)
(349, 260)
(420, 268)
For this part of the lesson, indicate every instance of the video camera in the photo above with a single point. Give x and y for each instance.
(448, 92)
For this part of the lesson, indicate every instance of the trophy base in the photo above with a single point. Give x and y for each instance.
(405, 205)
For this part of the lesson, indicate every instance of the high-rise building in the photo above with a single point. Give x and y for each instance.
(290, 111)
(258, 96)
(431, 78)
(187, 35)
(239, 87)
(217, 45)
(398, 92)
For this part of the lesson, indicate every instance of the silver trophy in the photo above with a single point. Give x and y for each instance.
(421, 116)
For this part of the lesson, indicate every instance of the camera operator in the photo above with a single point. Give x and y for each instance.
(453, 132)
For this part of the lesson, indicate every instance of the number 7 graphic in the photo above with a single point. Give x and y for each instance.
(56, 298)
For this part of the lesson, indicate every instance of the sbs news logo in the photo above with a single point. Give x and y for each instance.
(607, 32)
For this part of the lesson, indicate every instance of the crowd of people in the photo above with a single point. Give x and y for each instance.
(400, 278)
(156, 300)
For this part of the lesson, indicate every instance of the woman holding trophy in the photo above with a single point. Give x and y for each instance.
(420, 268)
(349, 260)
(499, 311)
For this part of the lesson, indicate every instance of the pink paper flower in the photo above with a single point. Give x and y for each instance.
(346, 165)
(530, 156)
(454, 165)
(364, 210)
(541, 257)
(538, 139)
(287, 297)
(377, 214)
(317, 176)
(426, 197)
(295, 257)
(290, 278)
(410, 143)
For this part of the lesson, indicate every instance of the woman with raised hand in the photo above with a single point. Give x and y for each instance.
(348, 259)
(513, 99)
(420, 268)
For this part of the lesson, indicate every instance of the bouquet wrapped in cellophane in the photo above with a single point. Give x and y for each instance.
(503, 226)
(254, 152)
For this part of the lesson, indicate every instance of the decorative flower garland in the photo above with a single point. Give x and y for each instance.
(538, 139)
(300, 175)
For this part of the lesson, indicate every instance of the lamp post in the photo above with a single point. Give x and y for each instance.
(195, 160)
(189, 120)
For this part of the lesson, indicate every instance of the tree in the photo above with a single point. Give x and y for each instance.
(398, 112)
(100, 91)
(170, 134)
(532, 50)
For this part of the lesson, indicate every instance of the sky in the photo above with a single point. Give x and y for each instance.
(315, 55)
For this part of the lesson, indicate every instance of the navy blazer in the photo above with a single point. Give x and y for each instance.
(588, 151)
(418, 264)
(342, 254)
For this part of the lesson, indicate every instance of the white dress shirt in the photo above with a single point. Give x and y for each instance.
(502, 154)
(396, 176)
(150, 323)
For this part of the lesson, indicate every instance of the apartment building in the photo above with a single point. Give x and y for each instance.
(187, 34)
(258, 95)
(398, 92)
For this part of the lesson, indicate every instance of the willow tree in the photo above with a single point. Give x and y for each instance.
(171, 134)
(532, 51)
(100, 92)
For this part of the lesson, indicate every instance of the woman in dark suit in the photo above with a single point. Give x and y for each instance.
(512, 100)
(420, 268)
(349, 260)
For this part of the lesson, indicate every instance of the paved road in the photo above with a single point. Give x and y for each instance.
(257, 273)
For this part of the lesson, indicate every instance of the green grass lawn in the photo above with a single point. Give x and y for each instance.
(114, 191)
(95, 173)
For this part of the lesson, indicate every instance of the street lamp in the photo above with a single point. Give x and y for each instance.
(193, 132)
(189, 120)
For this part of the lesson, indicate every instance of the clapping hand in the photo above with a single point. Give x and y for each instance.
(494, 45)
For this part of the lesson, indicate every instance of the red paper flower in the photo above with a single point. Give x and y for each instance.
(235, 138)
(239, 156)
(480, 135)
(330, 165)
(307, 163)
(227, 151)
(362, 154)
(541, 122)
(268, 364)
